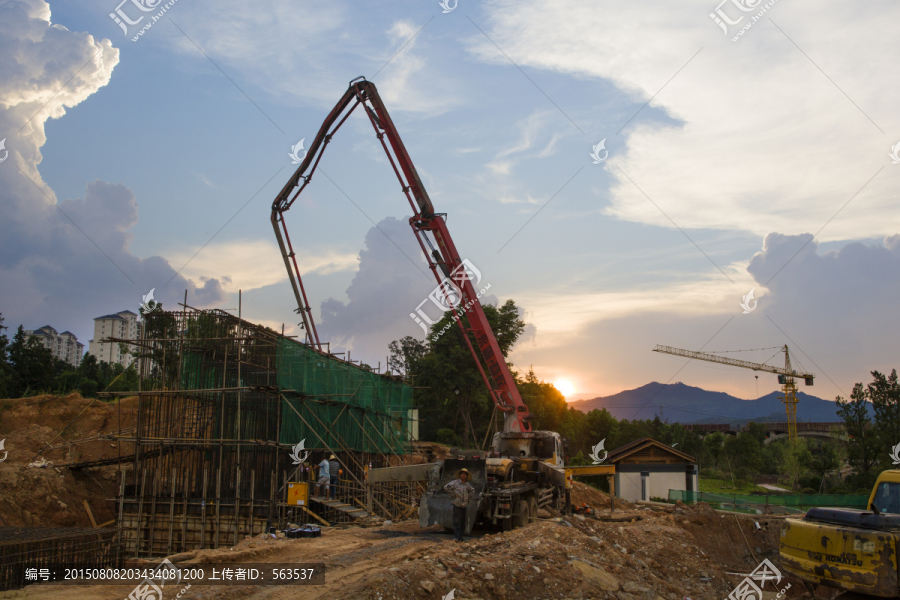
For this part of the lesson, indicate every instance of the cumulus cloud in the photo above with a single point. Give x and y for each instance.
(843, 299)
(385, 290)
(748, 136)
(65, 262)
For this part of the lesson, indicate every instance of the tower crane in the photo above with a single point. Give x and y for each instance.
(786, 377)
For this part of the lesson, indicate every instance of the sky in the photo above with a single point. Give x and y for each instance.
(626, 172)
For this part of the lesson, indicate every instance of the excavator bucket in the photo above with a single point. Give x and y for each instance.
(435, 506)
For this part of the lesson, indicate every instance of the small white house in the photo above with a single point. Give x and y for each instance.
(647, 469)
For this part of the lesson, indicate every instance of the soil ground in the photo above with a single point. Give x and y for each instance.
(649, 555)
(633, 553)
(52, 496)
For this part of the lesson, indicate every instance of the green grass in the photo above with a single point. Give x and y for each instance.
(724, 486)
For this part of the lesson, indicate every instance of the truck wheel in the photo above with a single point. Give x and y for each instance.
(532, 509)
(520, 514)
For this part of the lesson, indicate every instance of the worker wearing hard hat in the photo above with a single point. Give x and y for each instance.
(461, 492)
(334, 471)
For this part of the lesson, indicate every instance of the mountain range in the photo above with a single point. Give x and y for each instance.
(680, 403)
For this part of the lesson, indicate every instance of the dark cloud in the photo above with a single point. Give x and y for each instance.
(851, 289)
(52, 271)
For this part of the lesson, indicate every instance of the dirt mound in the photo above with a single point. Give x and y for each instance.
(657, 555)
(53, 496)
(585, 494)
(29, 424)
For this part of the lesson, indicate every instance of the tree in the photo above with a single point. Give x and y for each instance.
(757, 430)
(453, 394)
(743, 455)
(599, 425)
(153, 306)
(712, 445)
(5, 367)
(405, 354)
(32, 365)
(545, 403)
(89, 368)
(884, 393)
(863, 444)
(792, 462)
(821, 459)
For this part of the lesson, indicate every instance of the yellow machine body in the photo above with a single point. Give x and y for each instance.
(828, 548)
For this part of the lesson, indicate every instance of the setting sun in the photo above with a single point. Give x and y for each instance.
(565, 387)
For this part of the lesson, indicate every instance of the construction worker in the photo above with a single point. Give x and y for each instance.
(324, 477)
(334, 470)
(460, 491)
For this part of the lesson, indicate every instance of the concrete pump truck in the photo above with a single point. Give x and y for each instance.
(525, 469)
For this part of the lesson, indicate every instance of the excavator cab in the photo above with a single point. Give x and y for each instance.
(886, 498)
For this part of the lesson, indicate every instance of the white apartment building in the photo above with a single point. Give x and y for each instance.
(122, 325)
(64, 346)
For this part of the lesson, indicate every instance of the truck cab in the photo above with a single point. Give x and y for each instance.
(524, 471)
(545, 446)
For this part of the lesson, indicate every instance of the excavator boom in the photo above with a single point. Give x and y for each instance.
(453, 274)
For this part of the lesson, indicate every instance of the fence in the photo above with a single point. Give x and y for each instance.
(53, 548)
(771, 504)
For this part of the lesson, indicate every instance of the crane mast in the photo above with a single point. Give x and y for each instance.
(453, 274)
(786, 377)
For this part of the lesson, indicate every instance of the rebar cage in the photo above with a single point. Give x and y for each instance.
(50, 549)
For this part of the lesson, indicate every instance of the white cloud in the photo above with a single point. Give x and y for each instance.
(310, 54)
(767, 142)
(529, 129)
(69, 261)
(559, 318)
(250, 264)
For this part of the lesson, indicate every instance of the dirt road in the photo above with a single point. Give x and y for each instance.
(645, 554)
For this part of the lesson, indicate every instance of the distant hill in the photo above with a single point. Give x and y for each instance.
(680, 403)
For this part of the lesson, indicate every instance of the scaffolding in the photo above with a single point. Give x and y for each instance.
(222, 404)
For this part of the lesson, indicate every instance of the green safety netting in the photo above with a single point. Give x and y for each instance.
(197, 375)
(791, 503)
(341, 406)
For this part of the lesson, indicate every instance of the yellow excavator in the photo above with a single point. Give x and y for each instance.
(852, 550)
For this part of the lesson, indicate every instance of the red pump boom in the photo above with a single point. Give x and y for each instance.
(444, 260)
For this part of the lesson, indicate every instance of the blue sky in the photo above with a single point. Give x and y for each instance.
(724, 159)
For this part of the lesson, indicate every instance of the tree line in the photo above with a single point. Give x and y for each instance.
(28, 368)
